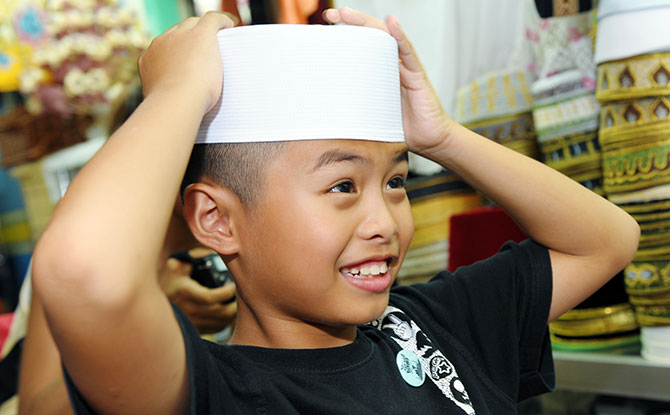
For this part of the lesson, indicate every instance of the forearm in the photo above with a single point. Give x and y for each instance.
(52, 399)
(41, 384)
(553, 209)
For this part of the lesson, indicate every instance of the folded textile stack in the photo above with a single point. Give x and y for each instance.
(433, 199)
(633, 89)
(565, 113)
(497, 106)
(656, 343)
(604, 321)
(565, 110)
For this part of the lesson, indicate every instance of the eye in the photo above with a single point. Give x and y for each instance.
(398, 182)
(344, 187)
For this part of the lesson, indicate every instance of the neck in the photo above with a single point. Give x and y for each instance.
(253, 329)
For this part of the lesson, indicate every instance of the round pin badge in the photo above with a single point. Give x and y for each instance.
(409, 366)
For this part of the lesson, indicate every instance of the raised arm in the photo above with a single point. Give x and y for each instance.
(95, 266)
(589, 238)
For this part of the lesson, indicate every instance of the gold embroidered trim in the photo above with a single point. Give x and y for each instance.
(647, 278)
(635, 77)
(656, 315)
(590, 313)
(625, 117)
(616, 322)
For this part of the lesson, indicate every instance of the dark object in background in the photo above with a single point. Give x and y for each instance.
(209, 271)
(549, 8)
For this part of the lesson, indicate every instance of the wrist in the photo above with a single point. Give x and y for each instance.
(441, 148)
(185, 97)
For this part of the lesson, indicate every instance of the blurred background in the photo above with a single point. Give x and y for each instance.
(579, 85)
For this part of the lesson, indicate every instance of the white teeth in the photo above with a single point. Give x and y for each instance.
(367, 272)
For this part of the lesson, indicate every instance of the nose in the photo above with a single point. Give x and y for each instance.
(378, 222)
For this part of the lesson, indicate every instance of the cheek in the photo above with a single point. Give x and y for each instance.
(309, 236)
(405, 223)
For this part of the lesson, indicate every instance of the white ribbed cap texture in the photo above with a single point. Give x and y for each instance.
(303, 82)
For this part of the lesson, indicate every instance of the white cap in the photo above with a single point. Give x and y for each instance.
(302, 82)
(628, 28)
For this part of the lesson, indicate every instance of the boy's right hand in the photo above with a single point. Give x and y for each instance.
(186, 60)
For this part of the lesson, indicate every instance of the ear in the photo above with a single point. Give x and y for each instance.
(210, 212)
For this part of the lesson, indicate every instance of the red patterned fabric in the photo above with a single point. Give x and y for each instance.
(5, 324)
(479, 233)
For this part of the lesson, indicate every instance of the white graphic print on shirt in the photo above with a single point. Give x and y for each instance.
(438, 368)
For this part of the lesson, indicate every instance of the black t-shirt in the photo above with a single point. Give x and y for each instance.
(480, 335)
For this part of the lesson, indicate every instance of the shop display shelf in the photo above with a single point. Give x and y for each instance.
(612, 374)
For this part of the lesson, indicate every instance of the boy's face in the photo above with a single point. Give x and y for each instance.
(329, 233)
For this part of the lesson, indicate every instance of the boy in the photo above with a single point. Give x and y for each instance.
(314, 245)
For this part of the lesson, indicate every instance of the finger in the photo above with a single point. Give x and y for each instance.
(215, 21)
(216, 311)
(192, 290)
(222, 294)
(188, 23)
(406, 51)
(354, 18)
(175, 266)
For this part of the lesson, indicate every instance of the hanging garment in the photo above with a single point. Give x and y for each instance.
(549, 8)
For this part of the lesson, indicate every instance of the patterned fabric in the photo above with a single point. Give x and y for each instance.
(651, 210)
(514, 131)
(577, 156)
(557, 38)
(648, 278)
(637, 77)
(433, 200)
(595, 321)
(548, 8)
(494, 95)
(563, 105)
(653, 315)
(635, 144)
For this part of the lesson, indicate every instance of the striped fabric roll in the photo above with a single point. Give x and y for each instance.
(635, 139)
(433, 200)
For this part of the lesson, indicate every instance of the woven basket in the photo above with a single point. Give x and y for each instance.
(25, 137)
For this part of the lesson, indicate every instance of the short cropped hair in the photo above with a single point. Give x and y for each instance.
(240, 167)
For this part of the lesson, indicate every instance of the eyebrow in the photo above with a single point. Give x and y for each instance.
(338, 156)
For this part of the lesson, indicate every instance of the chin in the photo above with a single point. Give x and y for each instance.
(365, 312)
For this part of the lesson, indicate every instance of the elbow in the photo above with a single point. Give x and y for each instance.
(64, 272)
(624, 244)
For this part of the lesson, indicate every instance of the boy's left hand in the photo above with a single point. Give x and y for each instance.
(207, 308)
(425, 122)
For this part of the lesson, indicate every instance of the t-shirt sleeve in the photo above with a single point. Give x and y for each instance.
(496, 312)
(200, 372)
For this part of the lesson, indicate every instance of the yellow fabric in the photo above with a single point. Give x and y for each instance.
(635, 140)
(646, 278)
(15, 233)
(431, 211)
(431, 215)
(618, 321)
(635, 77)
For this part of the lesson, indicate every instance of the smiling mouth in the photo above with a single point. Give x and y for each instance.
(369, 269)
